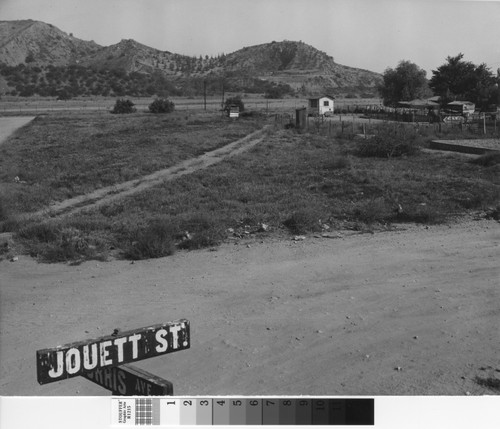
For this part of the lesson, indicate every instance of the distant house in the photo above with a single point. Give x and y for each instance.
(465, 108)
(323, 105)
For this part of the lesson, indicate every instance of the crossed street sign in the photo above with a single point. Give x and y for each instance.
(104, 360)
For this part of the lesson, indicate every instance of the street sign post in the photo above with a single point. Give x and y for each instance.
(128, 380)
(75, 359)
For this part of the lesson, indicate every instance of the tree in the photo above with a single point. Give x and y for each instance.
(161, 105)
(123, 106)
(404, 83)
(462, 80)
(234, 101)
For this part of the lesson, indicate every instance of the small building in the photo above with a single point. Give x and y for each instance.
(233, 111)
(323, 105)
(464, 108)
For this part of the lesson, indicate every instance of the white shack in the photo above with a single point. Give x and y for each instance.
(323, 105)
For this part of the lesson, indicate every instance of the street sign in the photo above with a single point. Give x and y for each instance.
(129, 380)
(72, 360)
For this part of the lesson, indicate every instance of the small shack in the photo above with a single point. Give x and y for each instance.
(233, 111)
(322, 105)
(463, 108)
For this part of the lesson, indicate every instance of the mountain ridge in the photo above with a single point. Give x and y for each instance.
(296, 64)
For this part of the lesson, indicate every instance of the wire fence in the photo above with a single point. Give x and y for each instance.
(362, 125)
(211, 104)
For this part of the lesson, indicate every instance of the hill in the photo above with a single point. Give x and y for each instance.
(38, 43)
(32, 52)
(301, 66)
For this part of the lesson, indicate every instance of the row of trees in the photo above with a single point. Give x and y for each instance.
(71, 81)
(456, 79)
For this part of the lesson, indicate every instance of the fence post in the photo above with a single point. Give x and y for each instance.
(484, 123)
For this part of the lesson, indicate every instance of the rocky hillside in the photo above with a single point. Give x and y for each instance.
(299, 65)
(37, 43)
(288, 65)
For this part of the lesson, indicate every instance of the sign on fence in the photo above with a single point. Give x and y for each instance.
(127, 380)
(72, 360)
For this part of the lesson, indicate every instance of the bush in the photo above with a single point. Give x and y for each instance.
(123, 106)
(56, 243)
(161, 105)
(234, 101)
(388, 143)
(302, 221)
(201, 231)
(41, 232)
(153, 241)
(372, 211)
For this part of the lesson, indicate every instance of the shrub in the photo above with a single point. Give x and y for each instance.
(42, 232)
(201, 231)
(234, 101)
(56, 243)
(123, 106)
(156, 240)
(302, 221)
(371, 211)
(388, 144)
(161, 105)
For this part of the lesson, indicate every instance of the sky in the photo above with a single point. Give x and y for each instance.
(367, 34)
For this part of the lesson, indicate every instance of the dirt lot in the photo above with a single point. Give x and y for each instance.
(408, 312)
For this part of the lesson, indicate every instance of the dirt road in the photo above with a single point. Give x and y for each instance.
(112, 193)
(407, 312)
(10, 124)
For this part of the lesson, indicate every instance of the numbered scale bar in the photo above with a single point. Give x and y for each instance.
(173, 411)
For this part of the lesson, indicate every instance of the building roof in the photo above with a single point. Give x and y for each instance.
(418, 104)
(331, 97)
(460, 103)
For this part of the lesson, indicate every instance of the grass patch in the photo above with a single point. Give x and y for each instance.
(293, 183)
(488, 159)
(52, 241)
(489, 382)
(62, 155)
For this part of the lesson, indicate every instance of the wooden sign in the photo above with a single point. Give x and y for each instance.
(72, 360)
(128, 380)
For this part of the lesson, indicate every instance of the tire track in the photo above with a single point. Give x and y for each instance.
(116, 192)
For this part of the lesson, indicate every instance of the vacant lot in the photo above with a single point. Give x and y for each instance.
(61, 155)
(303, 296)
(289, 183)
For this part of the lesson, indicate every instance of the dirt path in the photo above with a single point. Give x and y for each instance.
(408, 312)
(9, 125)
(116, 192)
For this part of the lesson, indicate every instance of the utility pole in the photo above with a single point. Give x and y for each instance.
(222, 102)
(205, 94)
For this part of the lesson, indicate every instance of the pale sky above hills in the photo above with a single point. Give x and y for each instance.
(369, 34)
